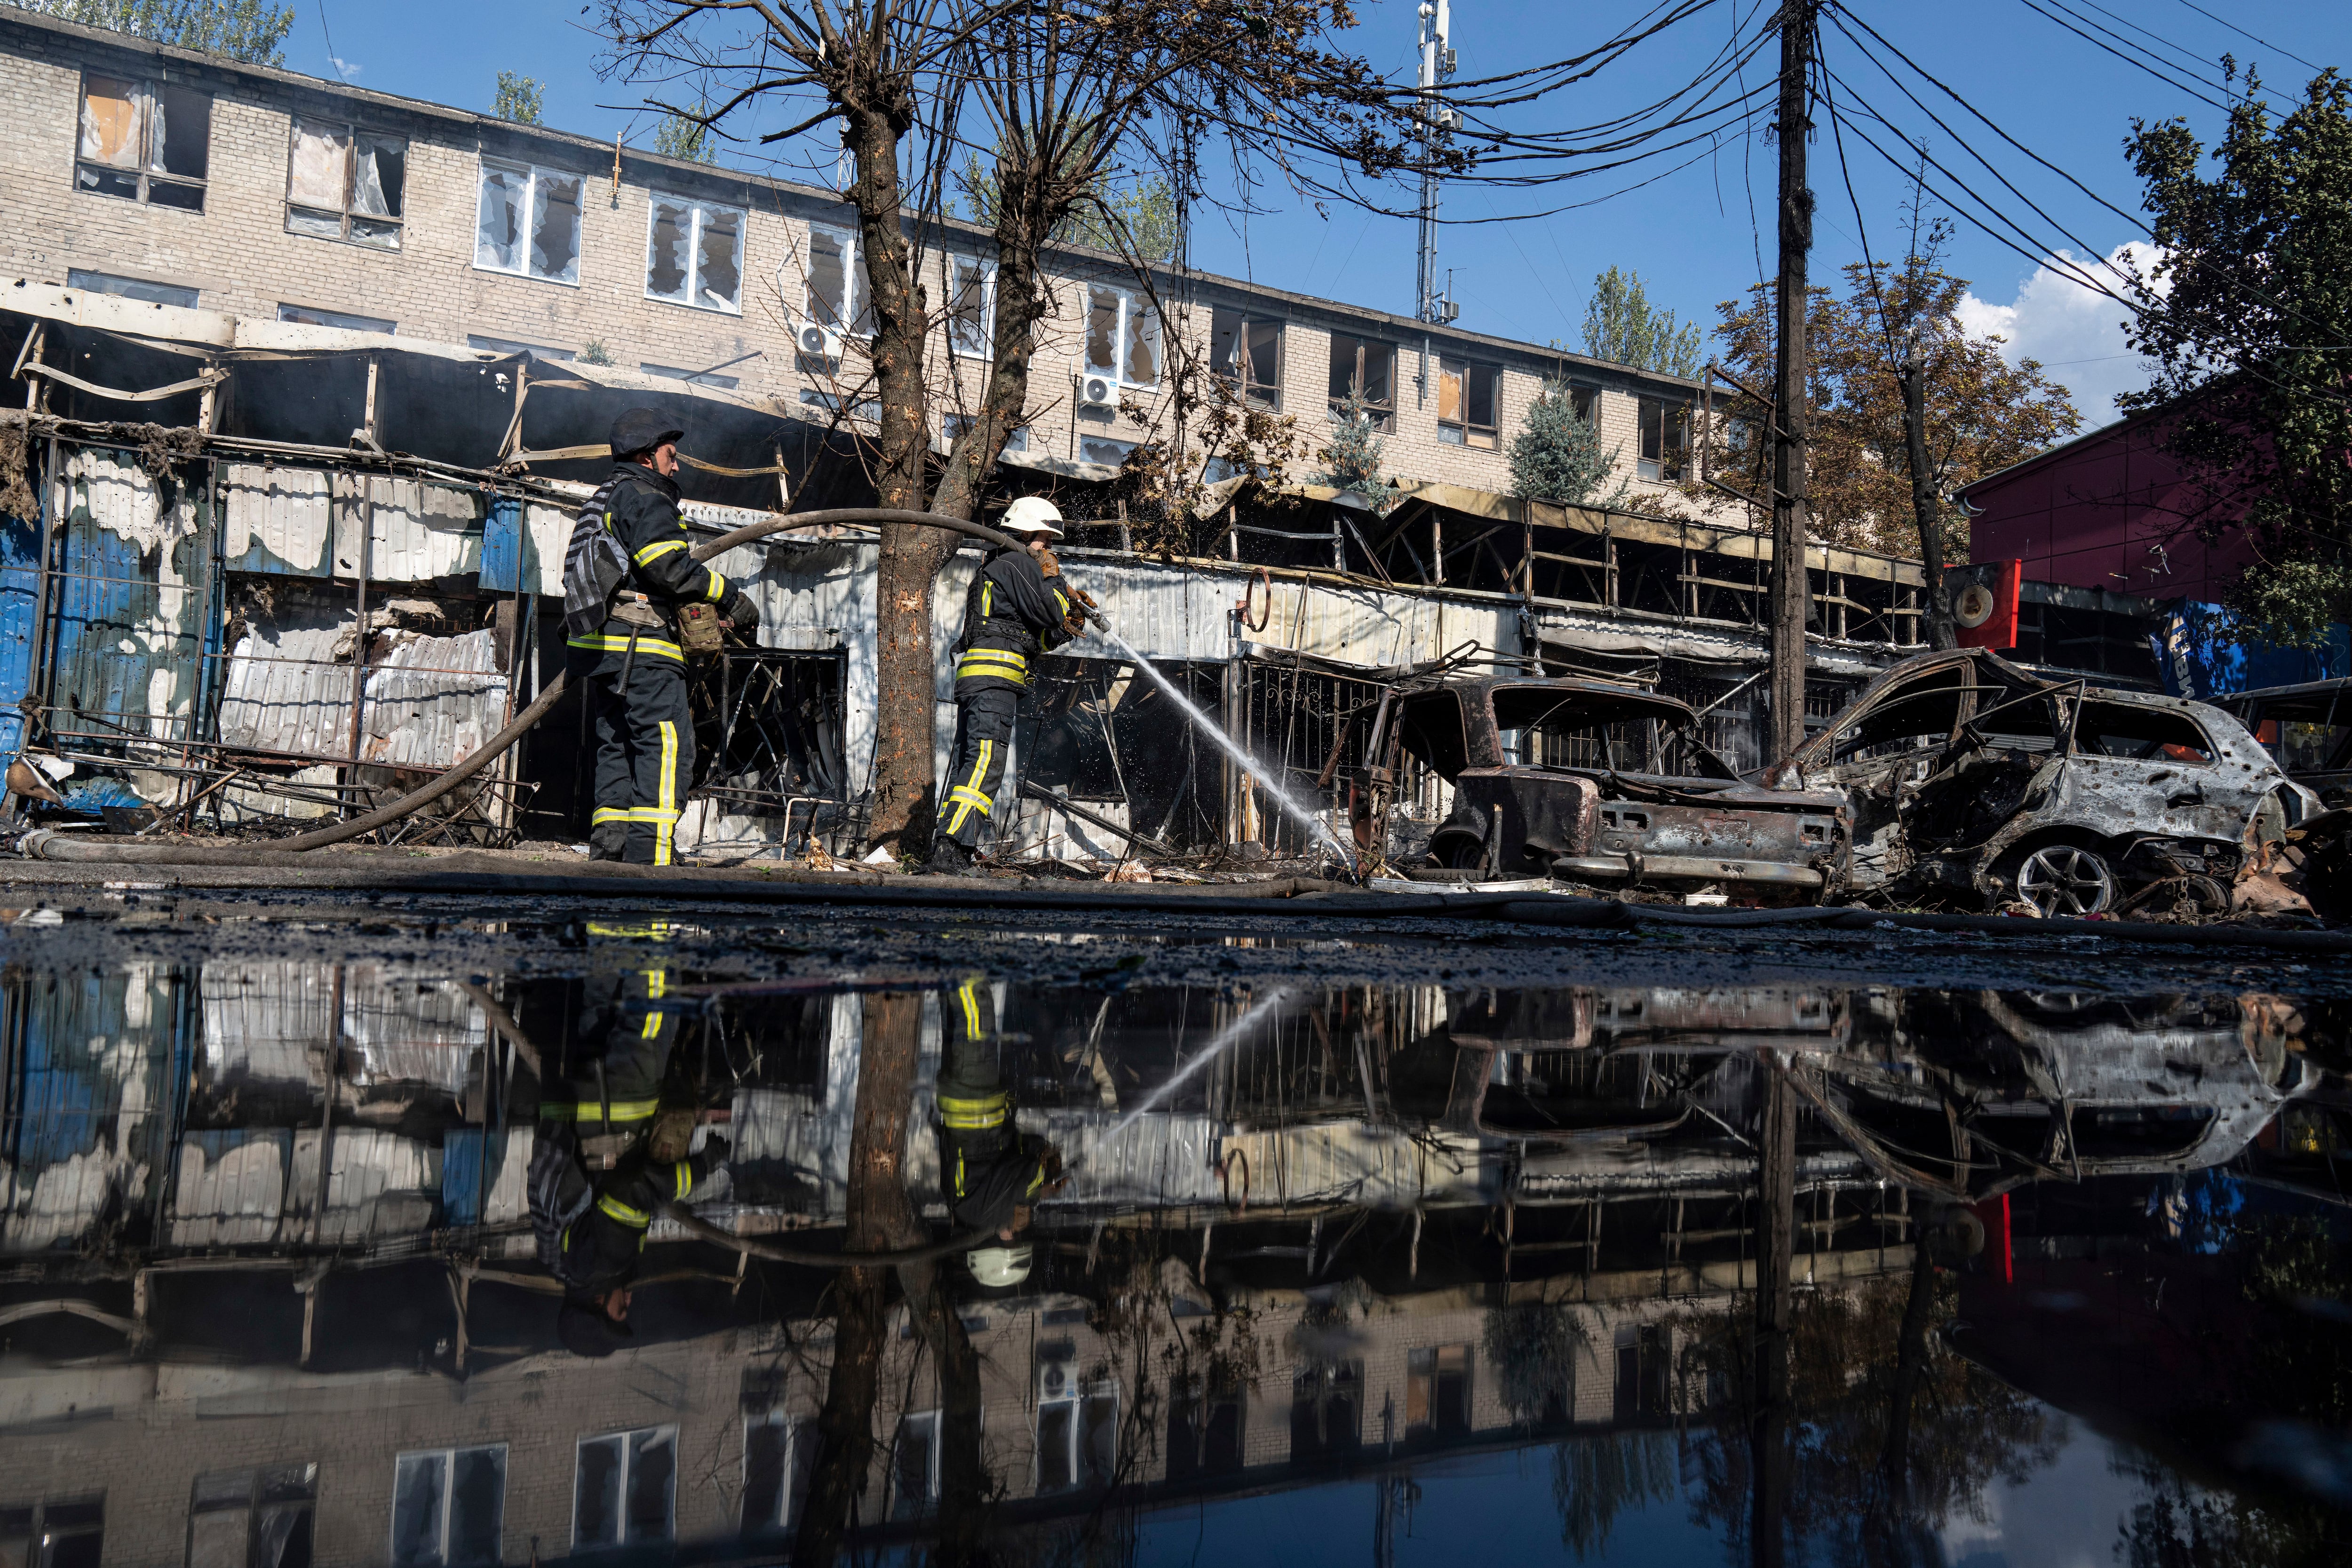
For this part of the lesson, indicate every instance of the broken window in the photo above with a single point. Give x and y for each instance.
(1437, 1390)
(1327, 1406)
(1102, 449)
(309, 317)
(694, 254)
(1665, 439)
(131, 287)
(779, 1457)
(1078, 1440)
(2128, 729)
(343, 183)
(1467, 396)
(1122, 336)
(915, 1466)
(1247, 356)
(145, 142)
(54, 1534)
(1644, 1370)
(836, 285)
(1364, 369)
(448, 1506)
(1434, 734)
(626, 1487)
(954, 427)
(1204, 1427)
(1584, 402)
(528, 223)
(971, 296)
(239, 1518)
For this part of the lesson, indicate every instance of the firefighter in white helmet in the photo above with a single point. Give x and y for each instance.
(1018, 608)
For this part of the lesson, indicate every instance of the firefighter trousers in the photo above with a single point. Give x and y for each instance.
(643, 745)
(976, 768)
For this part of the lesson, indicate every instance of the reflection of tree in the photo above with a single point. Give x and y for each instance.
(1532, 1348)
(2181, 1526)
(1593, 1480)
(1965, 1429)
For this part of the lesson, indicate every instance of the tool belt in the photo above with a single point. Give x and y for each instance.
(636, 610)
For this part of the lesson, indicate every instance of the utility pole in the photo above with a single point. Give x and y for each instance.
(1430, 305)
(1914, 377)
(1792, 418)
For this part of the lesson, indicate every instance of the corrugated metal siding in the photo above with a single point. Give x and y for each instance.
(230, 1187)
(302, 523)
(430, 703)
(276, 519)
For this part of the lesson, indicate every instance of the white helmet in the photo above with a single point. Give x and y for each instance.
(997, 1267)
(1033, 514)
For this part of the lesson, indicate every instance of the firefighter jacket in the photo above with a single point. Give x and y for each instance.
(1012, 613)
(987, 1167)
(638, 508)
(611, 1078)
(601, 1248)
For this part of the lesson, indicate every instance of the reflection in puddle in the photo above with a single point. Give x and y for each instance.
(1779, 1271)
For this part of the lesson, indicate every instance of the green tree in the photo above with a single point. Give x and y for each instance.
(1532, 1348)
(243, 30)
(1557, 455)
(2249, 342)
(684, 137)
(1352, 461)
(518, 99)
(1623, 326)
(1132, 217)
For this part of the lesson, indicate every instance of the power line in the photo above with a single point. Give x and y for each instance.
(2244, 34)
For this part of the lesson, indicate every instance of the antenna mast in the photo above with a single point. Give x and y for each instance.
(1437, 65)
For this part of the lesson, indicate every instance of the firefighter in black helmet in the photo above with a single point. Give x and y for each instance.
(1018, 608)
(625, 574)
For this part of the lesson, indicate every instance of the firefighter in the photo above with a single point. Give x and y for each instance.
(626, 572)
(1018, 608)
(991, 1173)
(601, 1249)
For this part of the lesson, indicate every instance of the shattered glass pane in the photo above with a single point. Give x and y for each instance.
(164, 194)
(417, 1492)
(380, 176)
(106, 181)
(596, 1489)
(1102, 331)
(114, 122)
(497, 235)
(1142, 346)
(665, 250)
(1482, 394)
(555, 228)
(315, 178)
(828, 277)
(180, 133)
(319, 225)
(967, 320)
(477, 1492)
(376, 232)
(718, 258)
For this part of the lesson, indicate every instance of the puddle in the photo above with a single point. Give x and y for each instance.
(1801, 1270)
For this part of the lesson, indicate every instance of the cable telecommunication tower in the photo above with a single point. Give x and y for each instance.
(1437, 65)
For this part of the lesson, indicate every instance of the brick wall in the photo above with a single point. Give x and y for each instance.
(238, 255)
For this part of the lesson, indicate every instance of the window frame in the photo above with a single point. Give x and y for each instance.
(1465, 431)
(929, 1422)
(788, 1478)
(353, 131)
(696, 209)
(628, 1464)
(533, 173)
(1439, 1419)
(39, 1529)
(1386, 408)
(142, 167)
(1672, 415)
(857, 315)
(1076, 1403)
(1264, 393)
(448, 1457)
(951, 293)
(1122, 336)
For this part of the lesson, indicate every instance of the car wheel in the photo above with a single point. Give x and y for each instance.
(2064, 879)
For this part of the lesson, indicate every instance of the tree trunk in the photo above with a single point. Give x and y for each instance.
(906, 671)
(1914, 377)
(1776, 1199)
(881, 1218)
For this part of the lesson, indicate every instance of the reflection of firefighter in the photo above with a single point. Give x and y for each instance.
(989, 1171)
(597, 1253)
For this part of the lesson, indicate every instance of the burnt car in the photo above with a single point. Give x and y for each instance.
(1589, 780)
(2308, 729)
(1965, 776)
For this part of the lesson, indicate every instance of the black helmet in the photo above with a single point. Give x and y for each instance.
(641, 430)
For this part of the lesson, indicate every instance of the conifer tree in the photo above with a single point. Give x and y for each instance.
(1558, 455)
(1352, 460)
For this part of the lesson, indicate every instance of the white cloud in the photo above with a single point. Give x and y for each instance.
(345, 69)
(2077, 335)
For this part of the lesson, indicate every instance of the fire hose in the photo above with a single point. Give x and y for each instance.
(47, 845)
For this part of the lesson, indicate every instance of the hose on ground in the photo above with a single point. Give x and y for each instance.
(59, 846)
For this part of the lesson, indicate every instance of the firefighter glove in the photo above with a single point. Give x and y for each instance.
(742, 610)
(1049, 563)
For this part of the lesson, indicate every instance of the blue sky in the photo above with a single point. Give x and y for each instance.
(1689, 236)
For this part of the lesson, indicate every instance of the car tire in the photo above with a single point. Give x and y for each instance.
(2061, 880)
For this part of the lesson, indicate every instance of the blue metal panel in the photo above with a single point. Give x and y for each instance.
(502, 545)
(470, 1164)
(20, 581)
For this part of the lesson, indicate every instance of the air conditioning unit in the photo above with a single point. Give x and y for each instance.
(1098, 392)
(1057, 1373)
(817, 341)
